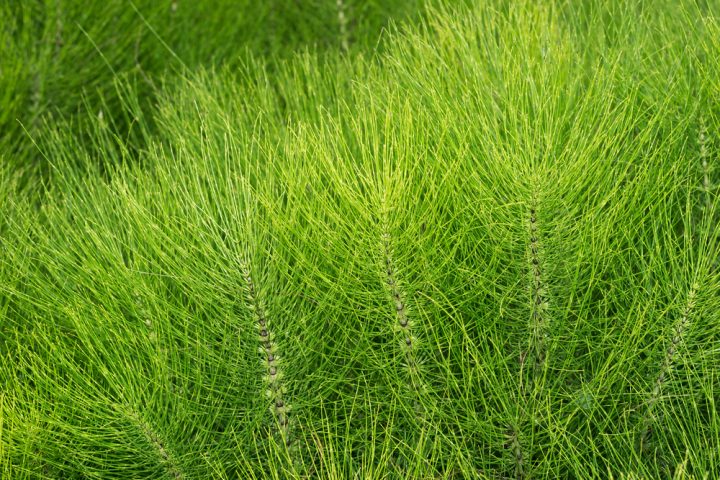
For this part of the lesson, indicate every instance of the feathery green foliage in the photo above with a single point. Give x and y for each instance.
(488, 251)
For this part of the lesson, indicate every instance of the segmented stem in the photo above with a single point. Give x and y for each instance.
(166, 456)
(704, 159)
(537, 349)
(275, 389)
(403, 323)
(678, 331)
(399, 304)
(342, 22)
(58, 30)
(36, 97)
(518, 455)
(539, 298)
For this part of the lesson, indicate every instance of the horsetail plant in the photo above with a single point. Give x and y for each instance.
(343, 25)
(475, 251)
(705, 156)
(676, 336)
(159, 445)
(400, 305)
(538, 295)
(270, 358)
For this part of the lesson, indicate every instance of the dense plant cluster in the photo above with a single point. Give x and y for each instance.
(483, 245)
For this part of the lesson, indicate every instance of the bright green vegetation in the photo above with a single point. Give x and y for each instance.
(488, 249)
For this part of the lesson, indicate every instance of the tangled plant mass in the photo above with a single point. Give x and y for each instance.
(416, 240)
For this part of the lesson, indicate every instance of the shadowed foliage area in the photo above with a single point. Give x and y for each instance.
(63, 58)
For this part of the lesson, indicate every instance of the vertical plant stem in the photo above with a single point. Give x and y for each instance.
(537, 344)
(58, 30)
(342, 22)
(275, 389)
(165, 454)
(678, 331)
(517, 452)
(36, 97)
(403, 323)
(704, 159)
(539, 303)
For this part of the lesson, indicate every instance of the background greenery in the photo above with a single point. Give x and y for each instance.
(359, 239)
